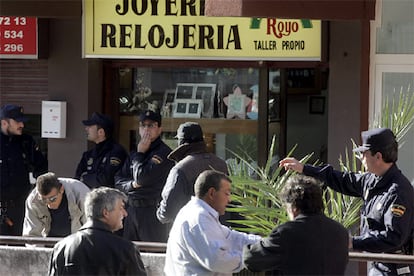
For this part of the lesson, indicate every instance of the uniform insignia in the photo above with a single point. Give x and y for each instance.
(104, 160)
(90, 161)
(156, 159)
(115, 161)
(397, 210)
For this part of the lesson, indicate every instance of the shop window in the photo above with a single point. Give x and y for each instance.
(395, 35)
(208, 88)
(224, 101)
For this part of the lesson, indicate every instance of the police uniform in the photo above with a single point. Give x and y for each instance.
(388, 210)
(150, 170)
(19, 155)
(99, 165)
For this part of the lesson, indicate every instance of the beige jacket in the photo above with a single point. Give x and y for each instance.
(37, 217)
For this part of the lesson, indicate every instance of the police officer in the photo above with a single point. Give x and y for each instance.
(142, 178)
(19, 155)
(99, 165)
(387, 221)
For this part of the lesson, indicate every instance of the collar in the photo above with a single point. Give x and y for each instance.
(205, 205)
(186, 149)
(102, 144)
(384, 180)
(95, 224)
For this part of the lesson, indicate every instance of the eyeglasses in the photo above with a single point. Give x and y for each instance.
(152, 125)
(51, 199)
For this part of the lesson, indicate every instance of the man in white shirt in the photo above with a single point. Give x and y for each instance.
(198, 243)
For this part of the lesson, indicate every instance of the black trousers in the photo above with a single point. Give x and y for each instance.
(12, 217)
(142, 224)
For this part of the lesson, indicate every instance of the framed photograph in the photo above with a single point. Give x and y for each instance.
(169, 96)
(274, 81)
(205, 92)
(316, 104)
(188, 108)
(184, 91)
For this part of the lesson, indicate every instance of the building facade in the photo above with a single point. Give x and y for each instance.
(318, 105)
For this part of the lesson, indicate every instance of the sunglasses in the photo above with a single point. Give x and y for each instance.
(51, 199)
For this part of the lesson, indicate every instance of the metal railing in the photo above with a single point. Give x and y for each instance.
(158, 247)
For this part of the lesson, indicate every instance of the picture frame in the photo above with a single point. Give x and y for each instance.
(188, 108)
(316, 104)
(274, 81)
(236, 106)
(207, 93)
(198, 91)
(169, 96)
(184, 91)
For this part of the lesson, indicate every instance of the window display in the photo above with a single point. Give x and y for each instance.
(205, 89)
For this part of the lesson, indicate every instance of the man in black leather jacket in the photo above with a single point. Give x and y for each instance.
(387, 216)
(309, 244)
(95, 249)
(19, 155)
(142, 178)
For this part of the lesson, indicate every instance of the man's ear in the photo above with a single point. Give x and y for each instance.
(101, 131)
(378, 155)
(105, 213)
(211, 191)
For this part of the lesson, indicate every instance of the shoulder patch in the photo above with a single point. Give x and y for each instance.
(156, 159)
(397, 210)
(90, 161)
(115, 161)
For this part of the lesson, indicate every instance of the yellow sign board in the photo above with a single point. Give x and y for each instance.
(171, 29)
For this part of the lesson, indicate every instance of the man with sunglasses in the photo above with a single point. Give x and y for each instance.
(142, 178)
(55, 208)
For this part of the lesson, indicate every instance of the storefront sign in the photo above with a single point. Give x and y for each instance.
(179, 29)
(18, 37)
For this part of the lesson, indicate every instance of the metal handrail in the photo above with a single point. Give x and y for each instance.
(153, 247)
(159, 247)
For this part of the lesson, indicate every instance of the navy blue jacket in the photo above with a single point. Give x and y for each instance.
(149, 170)
(387, 221)
(19, 155)
(99, 165)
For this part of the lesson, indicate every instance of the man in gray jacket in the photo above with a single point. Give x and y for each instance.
(192, 158)
(55, 208)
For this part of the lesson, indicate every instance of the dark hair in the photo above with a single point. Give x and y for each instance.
(208, 179)
(389, 152)
(304, 193)
(108, 130)
(46, 182)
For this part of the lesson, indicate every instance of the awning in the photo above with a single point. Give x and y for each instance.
(309, 9)
(41, 8)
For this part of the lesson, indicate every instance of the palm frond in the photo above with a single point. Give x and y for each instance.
(256, 189)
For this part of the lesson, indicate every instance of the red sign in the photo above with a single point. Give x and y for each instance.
(18, 37)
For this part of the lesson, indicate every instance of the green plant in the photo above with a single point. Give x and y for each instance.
(256, 189)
